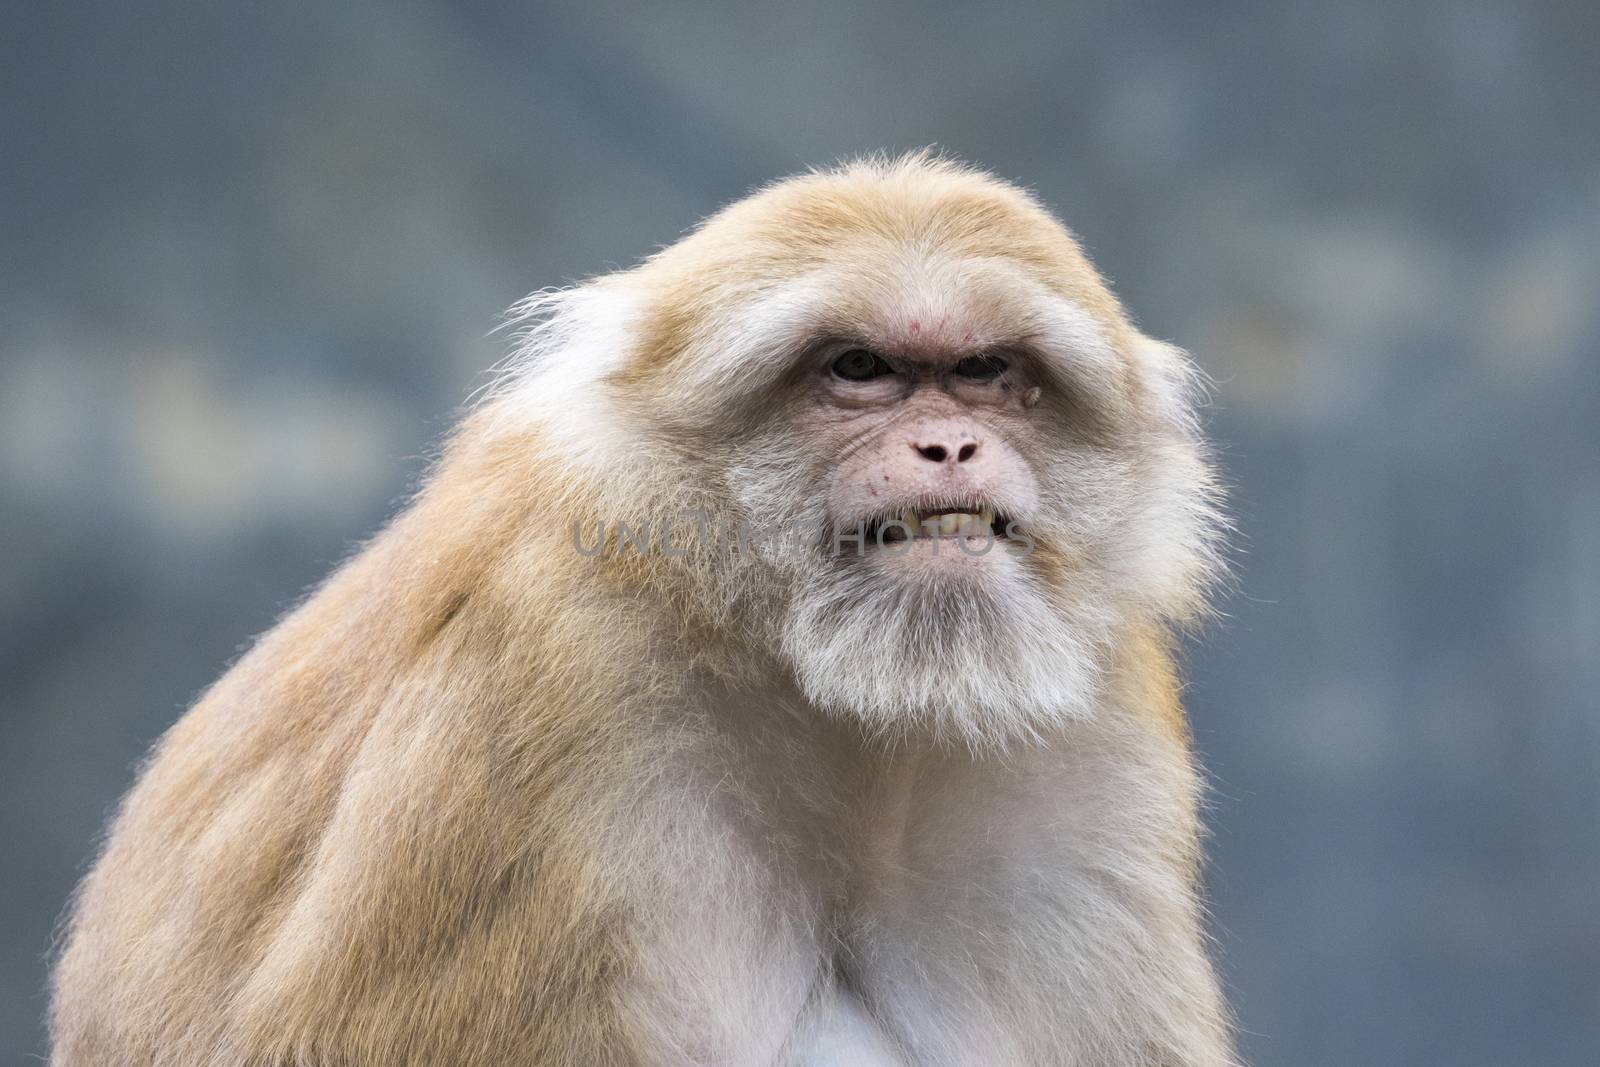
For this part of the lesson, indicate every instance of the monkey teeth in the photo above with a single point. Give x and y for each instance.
(946, 523)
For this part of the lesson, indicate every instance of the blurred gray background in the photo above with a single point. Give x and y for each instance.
(249, 256)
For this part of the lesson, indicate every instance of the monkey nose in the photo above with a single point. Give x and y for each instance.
(947, 448)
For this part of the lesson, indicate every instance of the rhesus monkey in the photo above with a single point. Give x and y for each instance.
(858, 794)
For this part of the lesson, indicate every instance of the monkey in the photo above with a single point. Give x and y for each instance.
(894, 774)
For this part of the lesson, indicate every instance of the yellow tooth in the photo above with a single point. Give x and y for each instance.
(986, 518)
(950, 522)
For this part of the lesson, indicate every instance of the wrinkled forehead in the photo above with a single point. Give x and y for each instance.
(931, 304)
(905, 299)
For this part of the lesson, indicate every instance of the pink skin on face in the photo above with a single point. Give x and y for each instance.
(919, 440)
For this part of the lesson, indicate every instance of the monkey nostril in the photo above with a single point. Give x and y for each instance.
(942, 453)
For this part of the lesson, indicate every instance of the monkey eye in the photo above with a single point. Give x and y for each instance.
(981, 368)
(860, 365)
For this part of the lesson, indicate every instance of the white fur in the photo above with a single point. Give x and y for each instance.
(568, 341)
(981, 657)
(921, 904)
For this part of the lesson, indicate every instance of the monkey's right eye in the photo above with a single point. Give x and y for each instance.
(859, 365)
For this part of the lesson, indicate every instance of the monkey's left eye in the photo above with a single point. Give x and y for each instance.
(981, 368)
(859, 365)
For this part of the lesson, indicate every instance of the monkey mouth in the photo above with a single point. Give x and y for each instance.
(959, 519)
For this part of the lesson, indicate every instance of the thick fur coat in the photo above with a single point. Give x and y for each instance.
(487, 799)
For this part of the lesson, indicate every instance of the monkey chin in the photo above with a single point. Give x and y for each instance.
(951, 646)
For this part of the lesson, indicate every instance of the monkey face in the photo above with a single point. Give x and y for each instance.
(926, 472)
(958, 445)
(916, 364)
(993, 483)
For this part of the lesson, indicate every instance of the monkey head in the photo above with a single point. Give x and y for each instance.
(983, 471)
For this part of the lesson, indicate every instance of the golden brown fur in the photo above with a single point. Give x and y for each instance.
(387, 835)
(389, 797)
(808, 221)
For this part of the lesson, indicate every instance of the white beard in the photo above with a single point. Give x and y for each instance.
(974, 654)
